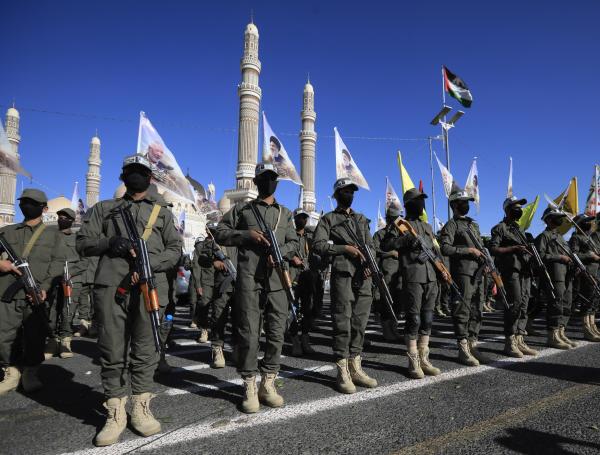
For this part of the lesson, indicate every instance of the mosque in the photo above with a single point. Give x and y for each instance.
(249, 93)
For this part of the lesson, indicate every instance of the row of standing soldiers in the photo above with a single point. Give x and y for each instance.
(258, 299)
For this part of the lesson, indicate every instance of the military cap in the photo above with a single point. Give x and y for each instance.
(412, 194)
(393, 212)
(460, 195)
(137, 159)
(513, 201)
(343, 183)
(212, 225)
(550, 211)
(67, 211)
(299, 211)
(36, 195)
(261, 168)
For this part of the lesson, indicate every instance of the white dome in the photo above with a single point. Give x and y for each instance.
(12, 112)
(58, 203)
(251, 28)
(96, 140)
(309, 88)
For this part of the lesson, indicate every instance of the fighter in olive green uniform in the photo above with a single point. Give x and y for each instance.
(258, 288)
(127, 353)
(304, 284)
(18, 317)
(558, 265)
(457, 244)
(390, 267)
(85, 309)
(586, 248)
(203, 271)
(419, 282)
(351, 287)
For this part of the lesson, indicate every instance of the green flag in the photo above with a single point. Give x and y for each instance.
(528, 213)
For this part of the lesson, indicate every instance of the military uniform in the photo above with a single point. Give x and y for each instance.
(21, 323)
(85, 309)
(204, 278)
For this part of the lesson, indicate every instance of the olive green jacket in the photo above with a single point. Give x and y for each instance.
(504, 235)
(455, 242)
(550, 253)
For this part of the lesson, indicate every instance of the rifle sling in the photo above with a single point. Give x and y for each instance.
(151, 222)
(34, 237)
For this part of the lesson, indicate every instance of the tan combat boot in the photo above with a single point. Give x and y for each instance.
(358, 375)
(344, 380)
(464, 354)
(52, 347)
(414, 362)
(524, 347)
(296, 346)
(306, 347)
(203, 338)
(116, 421)
(588, 332)
(250, 403)
(12, 375)
(481, 358)
(511, 347)
(563, 336)
(82, 329)
(65, 348)
(142, 419)
(267, 392)
(30, 381)
(555, 341)
(593, 324)
(423, 349)
(218, 359)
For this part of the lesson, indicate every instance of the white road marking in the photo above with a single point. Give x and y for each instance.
(197, 366)
(244, 422)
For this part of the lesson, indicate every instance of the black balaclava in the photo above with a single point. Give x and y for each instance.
(64, 223)
(461, 207)
(31, 209)
(415, 207)
(516, 212)
(136, 178)
(266, 184)
(300, 221)
(344, 197)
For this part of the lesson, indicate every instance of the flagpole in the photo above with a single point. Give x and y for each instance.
(432, 183)
(444, 126)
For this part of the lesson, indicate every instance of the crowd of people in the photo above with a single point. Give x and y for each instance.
(262, 271)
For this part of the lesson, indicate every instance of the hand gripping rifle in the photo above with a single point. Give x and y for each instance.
(580, 267)
(231, 270)
(281, 265)
(539, 263)
(147, 281)
(492, 270)
(26, 281)
(67, 287)
(404, 227)
(371, 264)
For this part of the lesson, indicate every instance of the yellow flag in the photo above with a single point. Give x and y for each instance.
(569, 203)
(407, 182)
(528, 213)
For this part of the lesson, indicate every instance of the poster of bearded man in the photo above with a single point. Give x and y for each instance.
(274, 152)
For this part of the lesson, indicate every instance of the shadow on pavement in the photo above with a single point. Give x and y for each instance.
(532, 442)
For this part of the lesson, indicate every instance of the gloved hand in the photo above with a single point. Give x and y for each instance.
(119, 246)
(413, 243)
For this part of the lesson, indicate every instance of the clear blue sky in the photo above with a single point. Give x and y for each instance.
(532, 68)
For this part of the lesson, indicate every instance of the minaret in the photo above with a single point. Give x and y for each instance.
(92, 178)
(308, 141)
(8, 178)
(250, 94)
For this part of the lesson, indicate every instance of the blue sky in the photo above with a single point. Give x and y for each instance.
(531, 66)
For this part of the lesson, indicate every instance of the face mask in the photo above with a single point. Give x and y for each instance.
(266, 187)
(345, 199)
(516, 213)
(462, 208)
(300, 222)
(136, 182)
(586, 226)
(31, 210)
(64, 223)
(415, 207)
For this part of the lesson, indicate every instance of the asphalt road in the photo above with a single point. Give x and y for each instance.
(546, 405)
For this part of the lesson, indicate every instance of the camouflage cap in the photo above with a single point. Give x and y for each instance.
(344, 183)
(67, 211)
(137, 159)
(261, 168)
(460, 195)
(212, 225)
(509, 201)
(34, 194)
(393, 212)
(299, 211)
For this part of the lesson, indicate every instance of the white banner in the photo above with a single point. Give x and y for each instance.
(380, 220)
(391, 198)
(509, 191)
(592, 206)
(472, 185)
(447, 178)
(166, 173)
(345, 167)
(274, 152)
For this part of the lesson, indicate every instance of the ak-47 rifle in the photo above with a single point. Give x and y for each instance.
(147, 281)
(372, 265)
(539, 263)
(25, 281)
(280, 264)
(405, 228)
(67, 286)
(231, 272)
(580, 266)
(489, 264)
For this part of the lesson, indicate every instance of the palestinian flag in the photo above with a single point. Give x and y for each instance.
(457, 88)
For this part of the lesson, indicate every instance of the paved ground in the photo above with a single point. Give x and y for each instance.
(542, 406)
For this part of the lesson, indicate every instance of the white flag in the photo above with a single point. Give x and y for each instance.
(212, 191)
(301, 198)
(181, 223)
(380, 220)
(438, 224)
(274, 152)
(391, 198)
(472, 185)
(447, 178)
(75, 198)
(345, 167)
(509, 191)
(8, 159)
(166, 173)
(592, 206)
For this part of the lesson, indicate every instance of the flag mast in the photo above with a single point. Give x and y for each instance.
(432, 184)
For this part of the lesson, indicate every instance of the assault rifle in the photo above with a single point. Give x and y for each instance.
(579, 265)
(25, 281)
(231, 272)
(67, 286)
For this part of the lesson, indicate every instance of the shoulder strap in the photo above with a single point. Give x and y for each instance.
(33, 239)
(151, 222)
